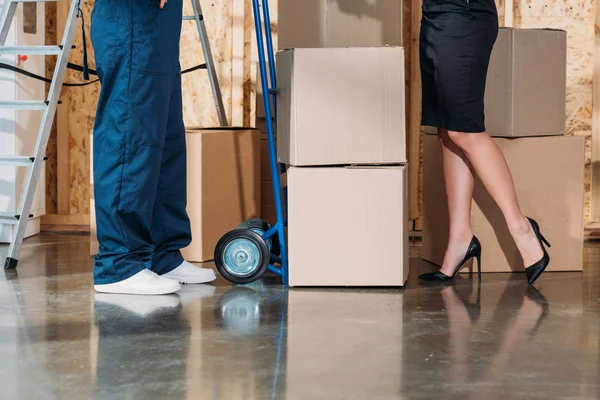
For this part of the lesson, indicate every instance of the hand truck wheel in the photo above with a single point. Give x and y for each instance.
(242, 256)
(261, 226)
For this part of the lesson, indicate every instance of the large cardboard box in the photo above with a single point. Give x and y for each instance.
(549, 177)
(333, 23)
(526, 83)
(341, 106)
(348, 226)
(223, 185)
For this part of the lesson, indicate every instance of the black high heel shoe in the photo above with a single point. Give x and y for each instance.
(473, 251)
(534, 271)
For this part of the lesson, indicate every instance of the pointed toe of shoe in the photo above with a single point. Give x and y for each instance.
(530, 275)
(435, 277)
(534, 272)
(425, 277)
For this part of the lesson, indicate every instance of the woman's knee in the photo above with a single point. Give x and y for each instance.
(464, 140)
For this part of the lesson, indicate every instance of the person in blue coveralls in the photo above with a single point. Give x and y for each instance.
(140, 151)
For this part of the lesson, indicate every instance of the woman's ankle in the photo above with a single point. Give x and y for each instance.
(519, 226)
(460, 237)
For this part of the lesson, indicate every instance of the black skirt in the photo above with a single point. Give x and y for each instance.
(457, 37)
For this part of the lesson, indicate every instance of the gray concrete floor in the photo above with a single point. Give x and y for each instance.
(59, 340)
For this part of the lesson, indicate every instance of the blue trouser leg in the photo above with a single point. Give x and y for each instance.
(139, 142)
(170, 224)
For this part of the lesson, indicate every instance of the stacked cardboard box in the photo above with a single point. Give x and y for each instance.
(326, 24)
(525, 112)
(267, 203)
(223, 175)
(341, 129)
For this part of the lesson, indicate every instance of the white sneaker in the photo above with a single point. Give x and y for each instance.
(144, 282)
(189, 273)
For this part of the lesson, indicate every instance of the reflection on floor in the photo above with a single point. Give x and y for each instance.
(496, 340)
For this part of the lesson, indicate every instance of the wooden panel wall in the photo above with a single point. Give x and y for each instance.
(595, 156)
(230, 30)
(577, 18)
(51, 186)
(232, 37)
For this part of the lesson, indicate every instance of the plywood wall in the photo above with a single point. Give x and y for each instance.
(577, 18)
(230, 30)
(232, 37)
(51, 187)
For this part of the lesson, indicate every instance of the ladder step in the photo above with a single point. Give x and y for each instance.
(8, 218)
(18, 161)
(31, 50)
(191, 18)
(24, 105)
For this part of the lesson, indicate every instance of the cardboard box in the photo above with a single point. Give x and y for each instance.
(549, 177)
(341, 106)
(330, 23)
(268, 213)
(223, 185)
(267, 207)
(526, 83)
(348, 226)
(346, 23)
(260, 101)
(94, 244)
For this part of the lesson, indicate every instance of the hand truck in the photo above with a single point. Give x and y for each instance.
(244, 254)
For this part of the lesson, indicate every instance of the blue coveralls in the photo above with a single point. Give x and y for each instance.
(139, 139)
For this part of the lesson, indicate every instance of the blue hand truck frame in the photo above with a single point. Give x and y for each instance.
(244, 254)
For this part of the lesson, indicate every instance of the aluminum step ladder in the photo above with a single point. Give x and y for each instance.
(210, 64)
(35, 162)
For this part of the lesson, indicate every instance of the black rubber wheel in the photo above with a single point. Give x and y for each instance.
(261, 226)
(242, 256)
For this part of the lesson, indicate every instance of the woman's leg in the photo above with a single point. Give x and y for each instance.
(489, 164)
(459, 190)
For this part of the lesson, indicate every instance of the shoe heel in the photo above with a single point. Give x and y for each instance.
(545, 241)
(479, 266)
